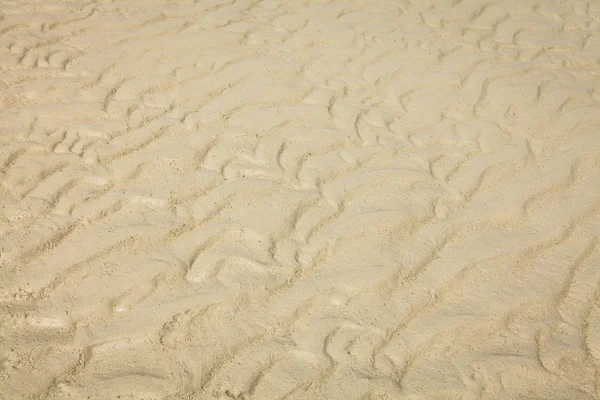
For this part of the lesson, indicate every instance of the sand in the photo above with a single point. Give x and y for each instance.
(269, 199)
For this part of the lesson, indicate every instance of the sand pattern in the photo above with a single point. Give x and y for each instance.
(269, 199)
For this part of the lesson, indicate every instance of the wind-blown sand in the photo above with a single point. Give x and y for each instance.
(269, 199)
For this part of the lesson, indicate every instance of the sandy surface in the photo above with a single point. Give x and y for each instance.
(268, 199)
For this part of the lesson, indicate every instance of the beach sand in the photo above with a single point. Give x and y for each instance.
(269, 199)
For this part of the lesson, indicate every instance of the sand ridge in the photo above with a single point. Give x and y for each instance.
(320, 199)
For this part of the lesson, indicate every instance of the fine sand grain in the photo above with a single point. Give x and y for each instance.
(318, 199)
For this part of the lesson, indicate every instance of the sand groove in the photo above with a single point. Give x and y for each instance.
(319, 199)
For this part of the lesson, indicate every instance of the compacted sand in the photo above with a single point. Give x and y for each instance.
(269, 199)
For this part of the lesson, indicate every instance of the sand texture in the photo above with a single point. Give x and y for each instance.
(284, 199)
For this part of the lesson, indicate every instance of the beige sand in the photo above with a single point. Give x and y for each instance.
(269, 199)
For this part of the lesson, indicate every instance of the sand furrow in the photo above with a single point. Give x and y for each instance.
(260, 199)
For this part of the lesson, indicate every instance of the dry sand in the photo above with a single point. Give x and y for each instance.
(269, 199)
